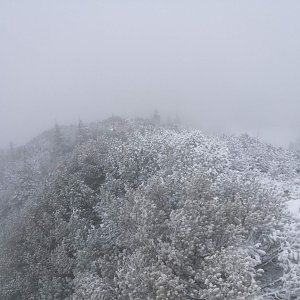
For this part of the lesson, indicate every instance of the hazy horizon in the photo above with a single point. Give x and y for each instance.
(223, 66)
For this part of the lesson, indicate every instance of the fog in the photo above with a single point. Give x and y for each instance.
(227, 66)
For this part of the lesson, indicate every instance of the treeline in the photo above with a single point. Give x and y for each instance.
(144, 210)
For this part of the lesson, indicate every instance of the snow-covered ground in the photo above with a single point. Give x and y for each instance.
(294, 203)
(294, 206)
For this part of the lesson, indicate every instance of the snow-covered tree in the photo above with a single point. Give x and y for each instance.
(135, 210)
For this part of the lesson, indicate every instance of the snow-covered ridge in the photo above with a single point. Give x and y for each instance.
(140, 210)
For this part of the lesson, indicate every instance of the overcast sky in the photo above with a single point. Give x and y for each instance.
(223, 65)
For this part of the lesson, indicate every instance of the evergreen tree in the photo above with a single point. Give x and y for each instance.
(156, 119)
(82, 133)
(59, 146)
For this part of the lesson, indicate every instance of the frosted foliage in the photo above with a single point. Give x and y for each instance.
(131, 210)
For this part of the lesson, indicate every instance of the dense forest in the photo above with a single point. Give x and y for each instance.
(139, 209)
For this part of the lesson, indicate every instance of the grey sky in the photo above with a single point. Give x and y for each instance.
(220, 65)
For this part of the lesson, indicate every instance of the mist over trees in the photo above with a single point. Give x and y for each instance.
(143, 209)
